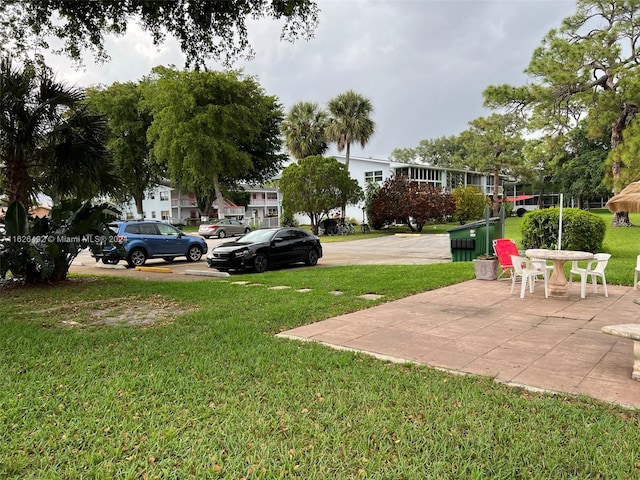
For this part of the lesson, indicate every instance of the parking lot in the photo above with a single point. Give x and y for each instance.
(400, 249)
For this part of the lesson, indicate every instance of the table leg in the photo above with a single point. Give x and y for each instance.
(558, 281)
(635, 374)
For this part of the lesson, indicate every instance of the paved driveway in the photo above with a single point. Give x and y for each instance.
(400, 249)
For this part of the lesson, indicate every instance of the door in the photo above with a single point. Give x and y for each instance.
(171, 241)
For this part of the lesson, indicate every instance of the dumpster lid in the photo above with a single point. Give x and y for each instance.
(478, 224)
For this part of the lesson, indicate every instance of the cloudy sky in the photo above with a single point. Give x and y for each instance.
(423, 63)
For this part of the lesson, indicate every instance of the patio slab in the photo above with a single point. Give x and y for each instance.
(479, 327)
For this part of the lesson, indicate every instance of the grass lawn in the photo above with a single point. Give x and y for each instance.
(203, 389)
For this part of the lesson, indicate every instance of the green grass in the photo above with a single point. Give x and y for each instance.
(210, 392)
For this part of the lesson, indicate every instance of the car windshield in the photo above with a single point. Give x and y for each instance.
(258, 236)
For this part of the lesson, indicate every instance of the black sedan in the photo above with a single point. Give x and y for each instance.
(260, 249)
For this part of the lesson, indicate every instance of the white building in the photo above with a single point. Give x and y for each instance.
(369, 169)
(265, 203)
(175, 206)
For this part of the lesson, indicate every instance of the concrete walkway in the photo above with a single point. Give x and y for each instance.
(478, 327)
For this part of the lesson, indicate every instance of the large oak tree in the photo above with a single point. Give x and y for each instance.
(204, 28)
(212, 129)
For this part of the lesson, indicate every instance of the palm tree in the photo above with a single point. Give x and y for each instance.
(304, 130)
(48, 141)
(350, 121)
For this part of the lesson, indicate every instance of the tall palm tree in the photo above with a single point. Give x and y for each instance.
(350, 121)
(48, 141)
(304, 130)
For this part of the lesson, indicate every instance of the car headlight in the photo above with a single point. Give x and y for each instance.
(245, 252)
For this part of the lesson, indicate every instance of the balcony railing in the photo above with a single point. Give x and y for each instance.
(183, 203)
(264, 202)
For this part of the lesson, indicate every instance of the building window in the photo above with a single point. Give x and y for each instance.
(153, 214)
(375, 176)
(164, 196)
(455, 180)
(152, 195)
(272, 212)
(164, 214)
(272, 195)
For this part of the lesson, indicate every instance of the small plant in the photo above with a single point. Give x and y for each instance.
(42, 249)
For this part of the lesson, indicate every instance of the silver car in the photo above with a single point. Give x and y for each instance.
(223, 228)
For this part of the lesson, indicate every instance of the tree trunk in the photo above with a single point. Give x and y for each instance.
(138, 201)
(496, 181)
(18, 180)
(346, 162)
(219, 197)
(204, 201)
(620, 219)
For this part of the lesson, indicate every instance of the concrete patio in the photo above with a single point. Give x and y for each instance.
(479, 327)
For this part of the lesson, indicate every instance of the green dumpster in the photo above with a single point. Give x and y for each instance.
(469, 241)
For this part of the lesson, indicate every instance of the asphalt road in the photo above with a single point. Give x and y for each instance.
(400, 249)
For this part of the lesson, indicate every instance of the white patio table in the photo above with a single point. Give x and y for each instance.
(558, 280)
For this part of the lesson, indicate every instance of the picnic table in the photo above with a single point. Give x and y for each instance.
(558, 280)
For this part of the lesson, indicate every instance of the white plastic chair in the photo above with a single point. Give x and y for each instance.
(635, 274)
(594, 269)
(528, 272)
(542, 263)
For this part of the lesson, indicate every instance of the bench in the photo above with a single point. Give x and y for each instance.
(632, 331)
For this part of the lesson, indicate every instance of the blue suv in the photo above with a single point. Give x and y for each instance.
(136, 241)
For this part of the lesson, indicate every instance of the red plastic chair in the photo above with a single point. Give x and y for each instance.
(504, 248)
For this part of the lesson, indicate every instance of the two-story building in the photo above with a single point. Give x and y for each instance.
(366, 170)
(265, 202)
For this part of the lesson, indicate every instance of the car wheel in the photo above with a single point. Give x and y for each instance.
(169, 259)
(137, 257)
(110, 261)
(260, 263)
(205, 236)
(312, 257)
(247, 230)
(222, 234)
(194, 254)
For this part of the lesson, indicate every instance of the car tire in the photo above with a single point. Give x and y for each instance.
(247, 230)
(312, 258)
(169, 259)
(194, 254)
(110, 261)
(260, 263)
(206, 237)
(222, 234)
(137, 257)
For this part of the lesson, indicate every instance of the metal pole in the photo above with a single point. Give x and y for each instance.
(560, 224)
(487, 213)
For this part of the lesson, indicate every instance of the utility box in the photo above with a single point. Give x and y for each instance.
(469, 241)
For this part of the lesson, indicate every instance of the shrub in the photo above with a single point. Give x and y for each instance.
(470, 203)
(288, 220)
(406, 201)
(581, 230)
